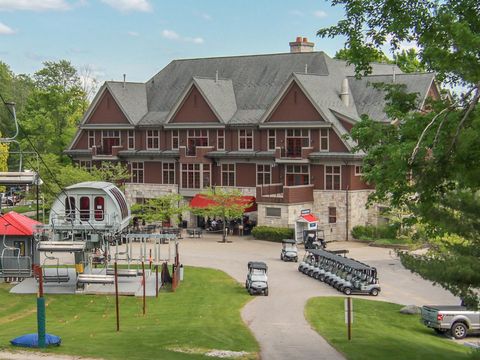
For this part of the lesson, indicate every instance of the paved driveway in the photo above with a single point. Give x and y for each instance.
(278, 321)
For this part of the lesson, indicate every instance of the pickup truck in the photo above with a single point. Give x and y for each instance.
(456, 319)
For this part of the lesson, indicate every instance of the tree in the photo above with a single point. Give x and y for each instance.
(429, 163)
(160, 209)
(408, 61)
(53, 109)
(374, 55)
(224, 203)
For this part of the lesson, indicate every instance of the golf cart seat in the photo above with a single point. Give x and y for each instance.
(289, 241)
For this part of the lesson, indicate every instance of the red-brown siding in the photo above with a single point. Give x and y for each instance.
(152, 172)
(295, 106)
(336, 144)
(107, 111)
(346, 125)
(194, 109)
(246, 174)
(317, 176)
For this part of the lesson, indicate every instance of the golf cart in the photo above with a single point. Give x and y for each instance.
(314, 239)
(257, 281)
(289, 250)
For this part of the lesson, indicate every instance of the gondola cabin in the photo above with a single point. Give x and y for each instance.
(93, 206)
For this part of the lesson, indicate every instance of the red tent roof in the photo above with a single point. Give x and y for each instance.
(15, 224)
(309, 217)
(200, 201)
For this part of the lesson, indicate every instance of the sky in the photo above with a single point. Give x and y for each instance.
(139, 37)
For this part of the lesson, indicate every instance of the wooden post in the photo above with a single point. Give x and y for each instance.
(144, 286)
(117, 310)
(150, 259)
(156, 281)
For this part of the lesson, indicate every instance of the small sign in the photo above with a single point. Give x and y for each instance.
(305, 211)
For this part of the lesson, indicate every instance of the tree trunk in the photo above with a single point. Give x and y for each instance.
(224, 238)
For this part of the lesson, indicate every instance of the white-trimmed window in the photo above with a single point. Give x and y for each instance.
(272, 139)
(358, 170)
(206, 175)
(332, 215)
(131, 139)
(137, 172)
(324, 141)
(264, 174)
(220, 139)
(333, 175)
(153, 139)
(175, 140)
(196, 176)
(297, 175)
(168, 173)
(91, 139)
(245, 139)
(196, 137)
(110, 138)
(228, 174)
(85, 164)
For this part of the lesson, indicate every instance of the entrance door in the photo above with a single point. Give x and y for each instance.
(294, 147)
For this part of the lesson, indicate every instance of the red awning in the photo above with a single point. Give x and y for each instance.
(15, 224)
(309, 217)
(200, 201)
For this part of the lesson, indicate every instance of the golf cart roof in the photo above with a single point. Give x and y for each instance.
(340, 259)
(289, 241)
(257, 265)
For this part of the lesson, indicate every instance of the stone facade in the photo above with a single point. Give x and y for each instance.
(288, 214)
(147, 191)
(358, 213)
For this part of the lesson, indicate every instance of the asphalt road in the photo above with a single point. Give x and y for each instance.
(278, 321)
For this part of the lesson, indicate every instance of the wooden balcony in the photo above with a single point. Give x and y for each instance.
(279, 193)
(289, 154)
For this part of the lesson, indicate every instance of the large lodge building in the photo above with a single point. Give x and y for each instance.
(271, 125)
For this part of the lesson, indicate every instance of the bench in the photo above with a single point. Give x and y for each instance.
(194, 233)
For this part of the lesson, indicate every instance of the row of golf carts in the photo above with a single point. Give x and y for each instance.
(344, 274)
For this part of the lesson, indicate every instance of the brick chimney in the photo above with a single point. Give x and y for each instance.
(301, 45)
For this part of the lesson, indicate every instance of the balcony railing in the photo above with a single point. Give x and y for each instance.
(280, 193)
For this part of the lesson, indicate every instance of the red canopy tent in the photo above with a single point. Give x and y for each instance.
(201, 201)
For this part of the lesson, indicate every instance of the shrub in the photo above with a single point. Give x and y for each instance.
(370, 232)
(268, 233)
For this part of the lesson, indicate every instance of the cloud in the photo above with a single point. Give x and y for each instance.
(6, 30)
(34, 5)
(133, 33)
(129, 5)
(172, 35)
(196, 40)
(206, 16)
(320, 14)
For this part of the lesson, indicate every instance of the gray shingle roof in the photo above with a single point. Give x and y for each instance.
(246, 87)
(220, 95)
(131, 97)
(371, 101)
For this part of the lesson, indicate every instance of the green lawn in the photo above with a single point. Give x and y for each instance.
(203, 314)
(379, 332)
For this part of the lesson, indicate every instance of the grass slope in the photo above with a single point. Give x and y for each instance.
(379, 332)
(204, 313)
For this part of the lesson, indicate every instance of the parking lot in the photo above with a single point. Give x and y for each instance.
(278, 321)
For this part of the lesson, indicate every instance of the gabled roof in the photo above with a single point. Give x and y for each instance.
(219, 95)
(241, 89)
(131, 97)
(371, 101)
(15, 224)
